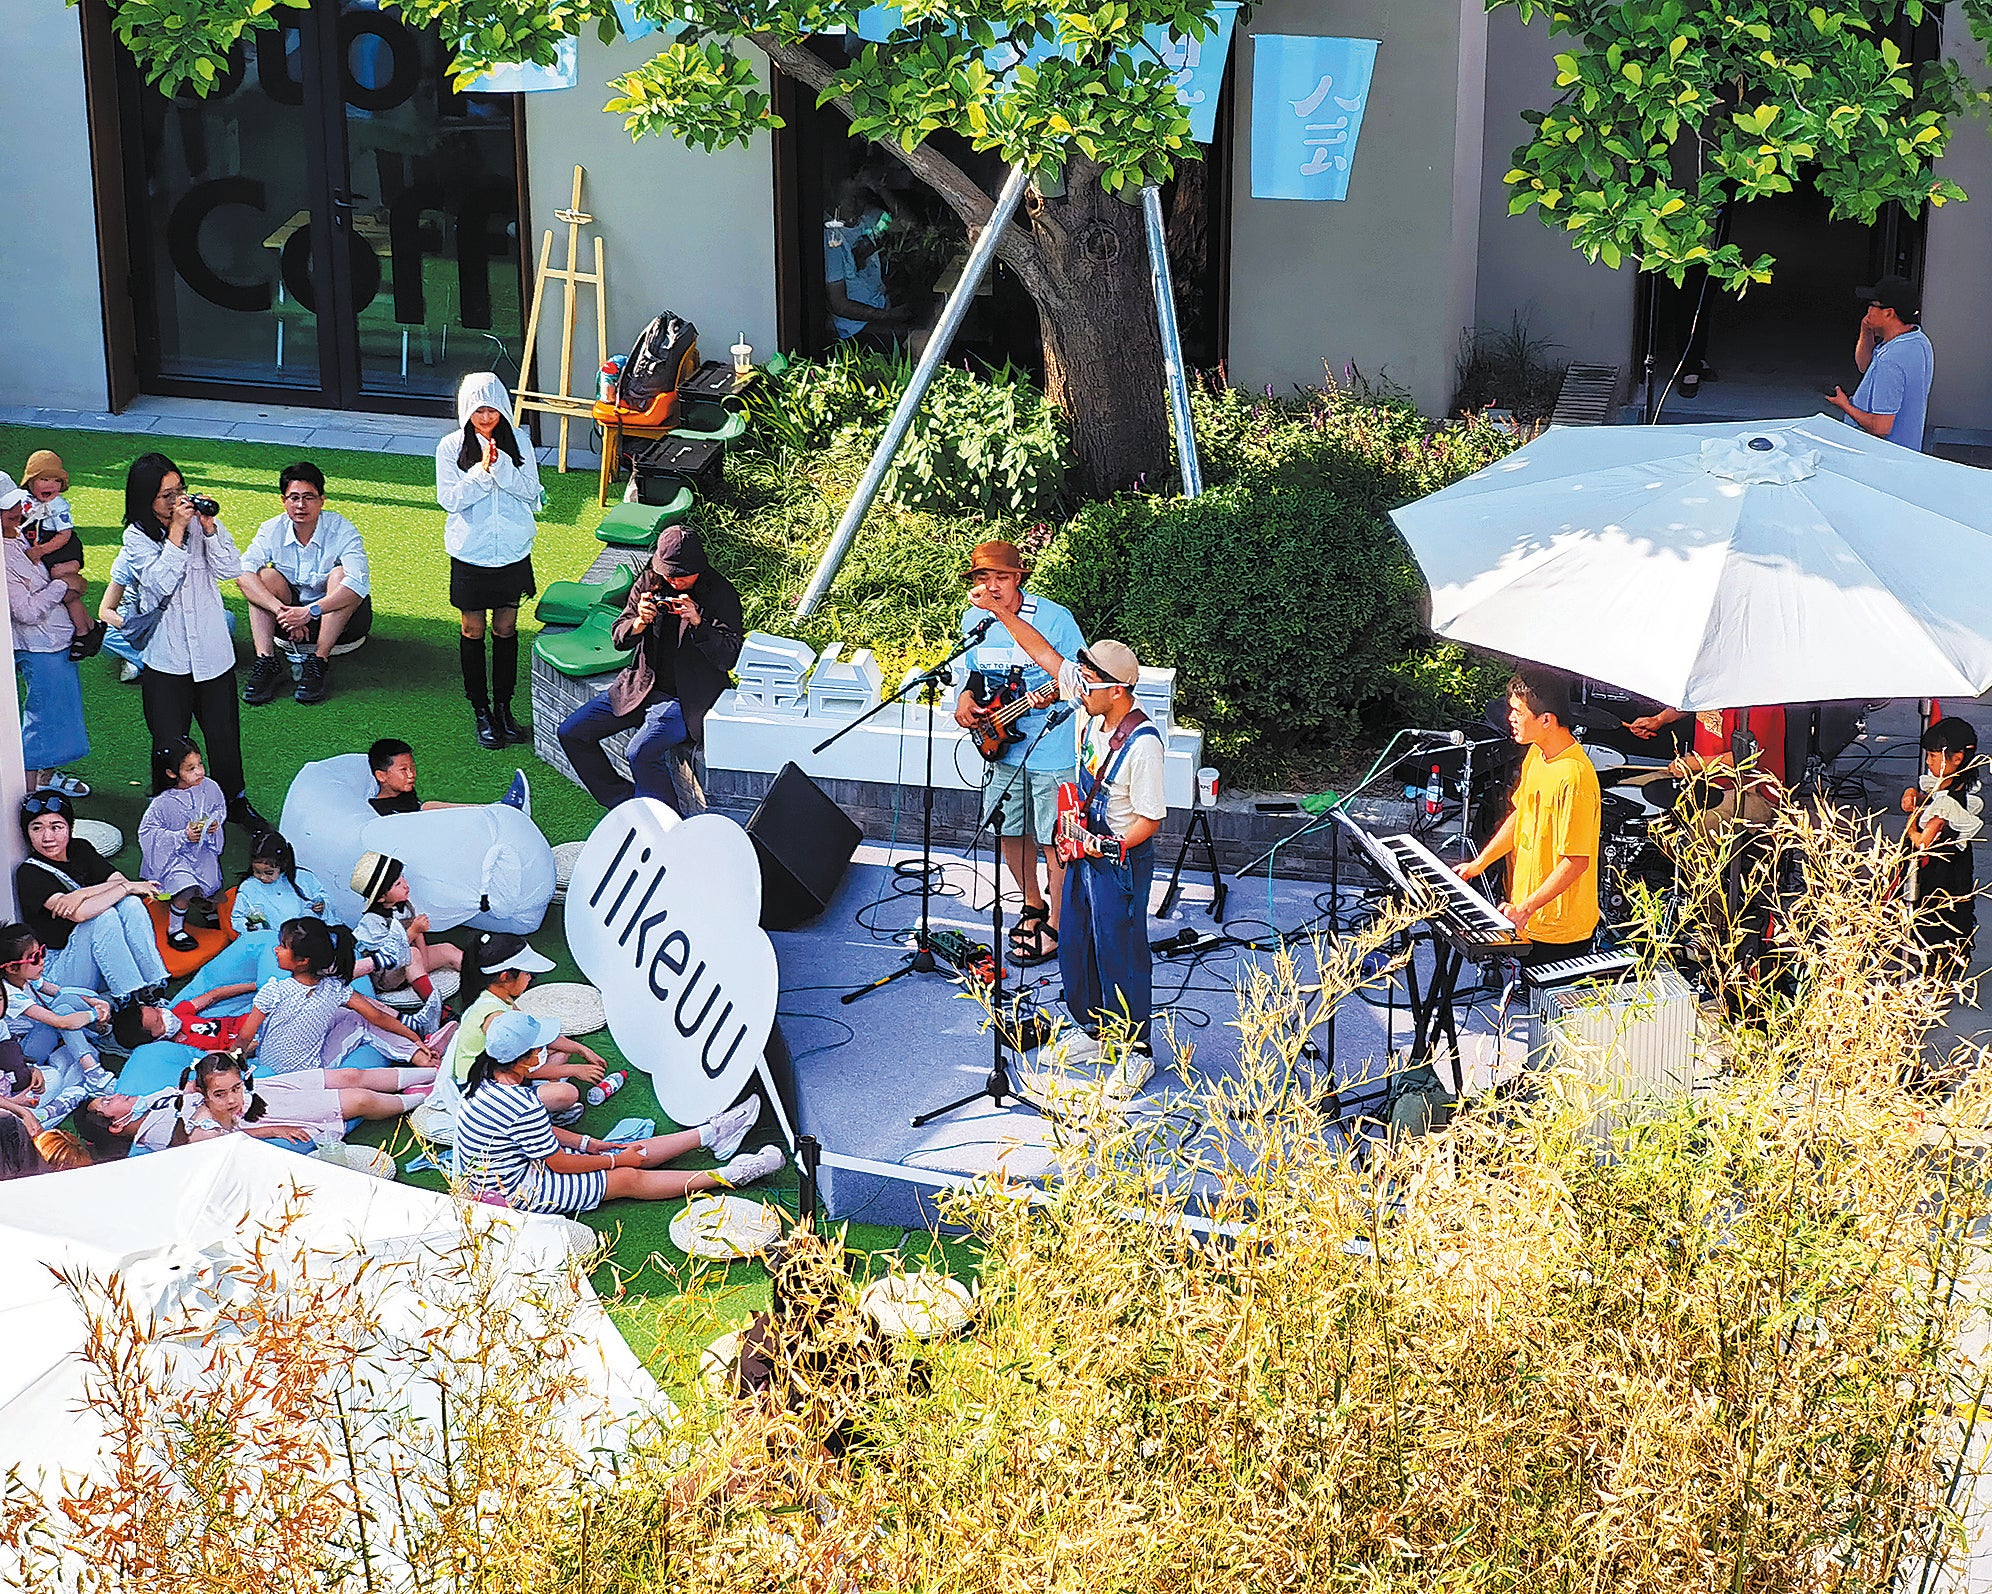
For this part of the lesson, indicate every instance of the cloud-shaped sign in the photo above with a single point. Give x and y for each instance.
(663, 915)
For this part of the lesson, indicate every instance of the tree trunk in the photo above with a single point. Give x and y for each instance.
(1102, 345)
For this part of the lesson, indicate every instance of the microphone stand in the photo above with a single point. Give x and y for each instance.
(921, 959)
(1384, 760)
(997, 1086)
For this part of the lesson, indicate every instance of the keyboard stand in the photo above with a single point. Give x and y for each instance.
(1433, 1018)
(1199, 826)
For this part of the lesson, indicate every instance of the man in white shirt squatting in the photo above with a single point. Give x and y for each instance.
(305, 575)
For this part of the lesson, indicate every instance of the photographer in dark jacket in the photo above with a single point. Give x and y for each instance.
(683, 621)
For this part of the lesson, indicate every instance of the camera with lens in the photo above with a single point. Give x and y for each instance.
(204, 505)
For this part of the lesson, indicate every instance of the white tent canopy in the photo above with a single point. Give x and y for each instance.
(1720, 566)
(175, 1220)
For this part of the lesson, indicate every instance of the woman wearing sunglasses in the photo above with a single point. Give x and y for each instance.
(91, 918)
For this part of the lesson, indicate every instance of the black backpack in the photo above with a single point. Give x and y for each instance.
(666, 352)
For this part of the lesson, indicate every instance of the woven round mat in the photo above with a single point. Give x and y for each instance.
(724, 1228)
(923, 1305)
(564, 856)
(577, 1009)
(104, 836)
(404, 1000)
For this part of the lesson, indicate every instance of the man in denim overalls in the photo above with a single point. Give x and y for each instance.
(1103, 942)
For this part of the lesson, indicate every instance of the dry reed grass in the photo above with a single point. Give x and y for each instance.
(1724, 1355)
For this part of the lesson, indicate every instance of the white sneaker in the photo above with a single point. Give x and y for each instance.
(129, 672)
(724, 1133)
(425, 1021)
(755, 1165)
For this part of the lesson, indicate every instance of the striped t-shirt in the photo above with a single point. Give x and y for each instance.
(503, 1134)
(296, 1020)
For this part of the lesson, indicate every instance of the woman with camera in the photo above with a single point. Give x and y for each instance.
(179, 554)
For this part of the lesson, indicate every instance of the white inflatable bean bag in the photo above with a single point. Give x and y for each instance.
(487, 866)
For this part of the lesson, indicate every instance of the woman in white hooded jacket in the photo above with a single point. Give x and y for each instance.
(488, 484)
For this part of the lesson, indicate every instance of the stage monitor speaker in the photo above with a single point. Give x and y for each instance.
(805, 842)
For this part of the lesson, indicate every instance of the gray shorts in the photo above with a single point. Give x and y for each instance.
(1032, 791)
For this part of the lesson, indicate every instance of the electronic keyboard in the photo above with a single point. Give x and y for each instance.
(1592, 966)
(1464, 914)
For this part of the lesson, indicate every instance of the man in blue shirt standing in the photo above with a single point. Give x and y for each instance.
(1025, 777)
(1897, 365)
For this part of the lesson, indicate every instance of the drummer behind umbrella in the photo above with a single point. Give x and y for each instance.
(1552, 831)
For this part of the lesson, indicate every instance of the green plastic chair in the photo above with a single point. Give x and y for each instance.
(586, 650)
(571, 602)
(637, 525)
(730, 427)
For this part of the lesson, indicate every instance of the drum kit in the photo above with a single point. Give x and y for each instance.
(1635, 800)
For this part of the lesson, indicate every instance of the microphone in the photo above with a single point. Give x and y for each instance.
(1057, 717)
(981, 631)
(1455, 738)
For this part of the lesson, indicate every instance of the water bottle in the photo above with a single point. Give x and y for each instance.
(605, 384)
(1434, 793)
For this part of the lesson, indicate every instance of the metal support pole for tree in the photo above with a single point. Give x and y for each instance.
(952, 314)
(1173, 372)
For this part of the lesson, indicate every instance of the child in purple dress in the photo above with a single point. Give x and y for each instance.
(181, 836)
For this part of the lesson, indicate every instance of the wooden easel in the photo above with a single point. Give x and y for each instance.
(563, 401)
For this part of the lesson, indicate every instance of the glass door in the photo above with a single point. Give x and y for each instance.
(223, 191)
(428, 198)
(331, 226)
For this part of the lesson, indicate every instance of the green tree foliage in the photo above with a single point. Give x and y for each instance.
(1671, 109)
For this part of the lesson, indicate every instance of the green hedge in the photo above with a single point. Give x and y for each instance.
(1283, 596)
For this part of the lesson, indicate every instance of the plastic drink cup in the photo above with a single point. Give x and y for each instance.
(743, 358)
(1206, 785)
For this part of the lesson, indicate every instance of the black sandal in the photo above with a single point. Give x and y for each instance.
(1027, 938)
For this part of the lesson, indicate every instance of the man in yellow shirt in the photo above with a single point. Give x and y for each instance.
(1552, 833)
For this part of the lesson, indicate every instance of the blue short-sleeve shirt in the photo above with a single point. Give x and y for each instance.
(997, 652)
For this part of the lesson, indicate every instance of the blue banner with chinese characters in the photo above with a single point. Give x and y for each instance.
(1198, 66)
(525, 78)
(1308, 97)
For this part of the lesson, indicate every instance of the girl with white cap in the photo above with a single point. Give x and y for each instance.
(507, 1144)
(497, 968)
(487, 482)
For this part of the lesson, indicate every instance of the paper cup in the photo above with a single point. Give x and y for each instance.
(1206, 785)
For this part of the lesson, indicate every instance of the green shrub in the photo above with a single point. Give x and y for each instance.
(1283, 596)
(1282, 607)
(987, 445)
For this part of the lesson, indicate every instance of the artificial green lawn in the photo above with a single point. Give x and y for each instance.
(404, 682)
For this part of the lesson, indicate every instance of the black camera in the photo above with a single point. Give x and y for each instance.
(203, 505)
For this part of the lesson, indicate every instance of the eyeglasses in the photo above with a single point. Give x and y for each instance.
(46, 802)
(303, 498)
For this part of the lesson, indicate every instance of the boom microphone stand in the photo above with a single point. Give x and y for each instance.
(921, 959)
(998, 1087)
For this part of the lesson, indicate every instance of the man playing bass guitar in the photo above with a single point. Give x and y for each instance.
(1024, 768)
(1103, 954)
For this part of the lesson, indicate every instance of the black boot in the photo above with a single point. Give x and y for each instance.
(487, 731)
(507, 727)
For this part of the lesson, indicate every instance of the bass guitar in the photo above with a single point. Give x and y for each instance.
(1077, 839)
(996, 725)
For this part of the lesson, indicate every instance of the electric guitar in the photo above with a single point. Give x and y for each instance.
(996, 726)
(1077, 839)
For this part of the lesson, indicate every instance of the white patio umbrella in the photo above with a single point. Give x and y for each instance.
(1720, 566)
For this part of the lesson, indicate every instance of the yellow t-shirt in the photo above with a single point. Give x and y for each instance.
(1557, 816)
